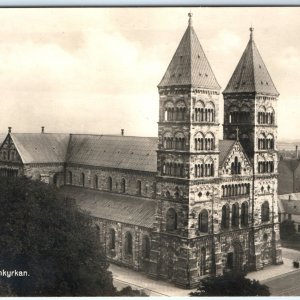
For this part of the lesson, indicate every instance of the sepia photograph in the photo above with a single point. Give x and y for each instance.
(149, 151)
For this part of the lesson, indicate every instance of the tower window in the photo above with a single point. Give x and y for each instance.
(265, 212)
(225, 217)
(171, 222)
(244, 214)
(203, 221)
(235, 215)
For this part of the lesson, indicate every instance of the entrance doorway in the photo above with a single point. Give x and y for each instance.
(234, 260)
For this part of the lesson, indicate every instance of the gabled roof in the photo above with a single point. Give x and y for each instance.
(123, 152)
(2, 137)
(289, 203)
(189, 65)
(251, 74)
(41, 147)
(225, 147)
(119, 208)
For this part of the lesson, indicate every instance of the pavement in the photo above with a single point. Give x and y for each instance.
(270, 275)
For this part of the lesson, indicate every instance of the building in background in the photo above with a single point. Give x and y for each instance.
(184, 205)
(289, 209)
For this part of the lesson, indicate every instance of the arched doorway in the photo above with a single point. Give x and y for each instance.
(234, 260)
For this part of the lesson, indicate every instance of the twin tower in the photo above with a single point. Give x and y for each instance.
(217, 199)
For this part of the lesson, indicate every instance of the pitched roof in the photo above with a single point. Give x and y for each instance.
(2, 137)
(41, 147)
(289, 203)
(251, 74)
(225, 147)
(123, 152)
(189, 65)
(120, 208)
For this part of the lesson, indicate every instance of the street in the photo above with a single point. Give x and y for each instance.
(285, 285)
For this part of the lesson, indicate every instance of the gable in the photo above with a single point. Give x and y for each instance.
(41, 147)
(8, 150)
(236, 157)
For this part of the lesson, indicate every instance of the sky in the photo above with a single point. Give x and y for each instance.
(96, 70)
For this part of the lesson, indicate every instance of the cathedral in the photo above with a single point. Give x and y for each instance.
(185, 205)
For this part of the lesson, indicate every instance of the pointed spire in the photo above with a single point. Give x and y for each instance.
(251, 74)
(189, 65)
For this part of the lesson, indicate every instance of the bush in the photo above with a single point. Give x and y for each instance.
(51, 239)
(287, 229)
(230, 284)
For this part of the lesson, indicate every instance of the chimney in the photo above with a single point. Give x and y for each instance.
(296, 152)
(122, 132)
(43, 129)
(9, 129)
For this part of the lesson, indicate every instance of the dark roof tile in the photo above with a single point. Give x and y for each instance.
(251, 74)
(123, 152)
(189, 65)
(120, 208)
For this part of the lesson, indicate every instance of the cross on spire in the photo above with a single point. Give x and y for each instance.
(190, 18)
(251, 32)
(237, 133)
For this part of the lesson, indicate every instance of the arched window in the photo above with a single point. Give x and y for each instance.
(123, 185)
(235, 215)
(168, 141)
(199, 111)
(180, 111)
(244, 214)
(265, 212)
(128, 243)
(96, 182)
(210, 112)
(109, 184)
(244, 116)
(209, 141)
(199, 141)
(112, 239)
(69, 177)
(236, 167)
(82, 179)
(203, 221)
(233, 115)
(146, 247)
(139, 187)
(225, 217)
(179, 141)
(169, 114)
(171, 223)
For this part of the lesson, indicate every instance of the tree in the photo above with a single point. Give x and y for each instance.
(230, 284)
(52, 240)
(287, 229)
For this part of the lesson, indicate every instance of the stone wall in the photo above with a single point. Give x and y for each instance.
(136, 260)
(101, 175)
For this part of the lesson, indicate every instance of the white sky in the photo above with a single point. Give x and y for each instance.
(96, 70)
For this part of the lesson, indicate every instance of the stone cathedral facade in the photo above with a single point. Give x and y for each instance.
(186, 205)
